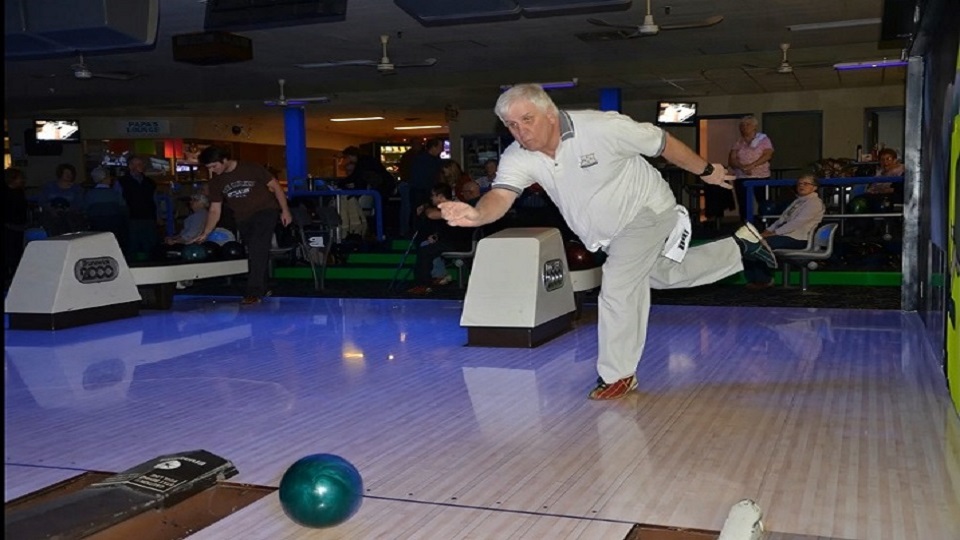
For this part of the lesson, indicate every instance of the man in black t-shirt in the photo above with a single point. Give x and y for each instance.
(256, 199)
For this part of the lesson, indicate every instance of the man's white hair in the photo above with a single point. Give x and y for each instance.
(533, 93)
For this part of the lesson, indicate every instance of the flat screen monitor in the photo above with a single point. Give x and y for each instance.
(676, 113)
(57, 130)
(159, 164)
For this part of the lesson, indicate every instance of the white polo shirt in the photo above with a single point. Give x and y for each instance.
(599, 179)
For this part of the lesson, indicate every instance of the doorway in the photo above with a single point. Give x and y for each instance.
(883, 128)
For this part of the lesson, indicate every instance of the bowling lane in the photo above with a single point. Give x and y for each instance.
(22, 480)
(387, 518)
(438, 429)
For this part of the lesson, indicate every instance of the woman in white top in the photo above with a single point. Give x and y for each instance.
(791, 231)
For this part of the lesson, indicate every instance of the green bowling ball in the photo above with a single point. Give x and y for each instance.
(858, 205)
(321, 490)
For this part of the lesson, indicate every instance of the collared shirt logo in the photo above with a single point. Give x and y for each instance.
(587, 160)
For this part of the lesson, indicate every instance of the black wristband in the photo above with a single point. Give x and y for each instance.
(707, 171)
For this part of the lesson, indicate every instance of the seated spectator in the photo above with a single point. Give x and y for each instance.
(469, 192)
(889, 166)
(436, 237)
(61, 202)
(791, 231)
(451, 173)
(193, 227)
(193, 224)
(105, 207)
(490, 170)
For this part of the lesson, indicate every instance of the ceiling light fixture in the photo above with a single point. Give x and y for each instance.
(871, 64)
(360, 119)
(405, 128)
(559, 85)
(832, 24)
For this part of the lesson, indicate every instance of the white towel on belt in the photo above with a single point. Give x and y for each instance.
(675, 248)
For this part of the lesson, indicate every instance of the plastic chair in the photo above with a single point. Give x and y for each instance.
(463, 259)
(819, 248)
(316, 241)
(316, 238)
(287, 253)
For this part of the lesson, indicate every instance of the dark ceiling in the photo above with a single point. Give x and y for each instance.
(740, 55)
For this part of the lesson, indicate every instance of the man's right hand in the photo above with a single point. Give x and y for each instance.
(460, 214)
(720, 177)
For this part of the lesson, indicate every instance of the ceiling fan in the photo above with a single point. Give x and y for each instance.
(83, 72)
(284, 101)
(786, 67)
(651, 28)
(384, 65)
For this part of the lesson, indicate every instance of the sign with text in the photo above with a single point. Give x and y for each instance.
(144, 128)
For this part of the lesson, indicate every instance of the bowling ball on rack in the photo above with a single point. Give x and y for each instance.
(578, 256)
(212, 249)
(858, 205)
(233, 250)
(221, 236)
(321, 490)
(193, 253)
(882, 205)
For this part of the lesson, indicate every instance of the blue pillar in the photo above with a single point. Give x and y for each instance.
(295, 133)
(610, 99)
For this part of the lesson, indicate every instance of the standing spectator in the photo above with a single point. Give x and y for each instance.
(105, 207)
(256, 198)
(403, 189)
(791, 230)
(61, 202)
(406, 160)
(15, 219)
(425, 172)
(138, 191)
(750, 160)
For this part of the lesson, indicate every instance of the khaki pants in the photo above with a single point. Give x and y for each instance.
(634, 265)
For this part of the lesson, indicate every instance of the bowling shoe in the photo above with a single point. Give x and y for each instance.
(614, 390)
(753, 246)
